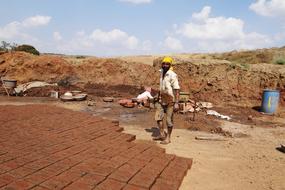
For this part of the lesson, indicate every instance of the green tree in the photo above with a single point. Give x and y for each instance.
(28, 49)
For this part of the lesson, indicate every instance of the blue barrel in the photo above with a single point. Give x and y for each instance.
(270, 100)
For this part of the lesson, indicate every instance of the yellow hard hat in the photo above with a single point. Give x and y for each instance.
(167, 60)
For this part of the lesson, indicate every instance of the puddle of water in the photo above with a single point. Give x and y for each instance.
(127, 117)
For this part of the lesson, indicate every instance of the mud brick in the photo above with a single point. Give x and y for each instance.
(20, 184)
(68, 163)
(127, 137)
(21, 161)
(57, 182)
(119, 129)
(91, 179)
(110, 153)
(93, 161)
(175, 173)
(118, 161)
(144, 157)
(82, 168)
(39, 177)
(2, 152)
(165, 184)
(6, 179)
(21, 172)
(70, 175)
(143, 180)
(39, 188)
(137, 163)
(39, 164)
(133, 187)
(9, 165)
(164, 158)
(152, 169)
(182, 162)
(78, 185)
(6, 157)
(110, 184)
(103, 170)
(124, 173)
(55, 168)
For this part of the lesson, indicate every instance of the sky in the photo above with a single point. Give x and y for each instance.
(143, 27)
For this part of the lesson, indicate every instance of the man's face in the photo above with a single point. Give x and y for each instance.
(165, 66)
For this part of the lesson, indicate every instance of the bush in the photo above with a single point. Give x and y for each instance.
(280, 61)
(28, 49)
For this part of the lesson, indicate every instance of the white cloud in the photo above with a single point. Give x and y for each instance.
(17, 30)
(272, 8)
(115, 36)
(136, 1)
(57, 36)
(173, 44)
(206, 33)
(106, 43)
(37, 20)
(203, 15)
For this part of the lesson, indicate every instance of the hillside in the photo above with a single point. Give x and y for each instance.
(233, 76)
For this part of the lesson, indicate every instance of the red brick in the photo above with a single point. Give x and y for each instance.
(133, 187)
(6, 179)
(21, 172)
(109, 184)
(78, 186)
(103, 170)
(124, 173)
(38, 177)
(39, 188)
(9, 165)
(143, 180)
(20, 184)
(91, 179)
(56, 183)
(165, 184)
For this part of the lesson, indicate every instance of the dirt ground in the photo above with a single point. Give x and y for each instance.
(248, 161)
(245, 157)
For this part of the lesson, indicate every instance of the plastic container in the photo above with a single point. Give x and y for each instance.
(9, 83)
(270, 100)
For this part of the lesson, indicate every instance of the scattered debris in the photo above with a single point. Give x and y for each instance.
(35, 84)
(210, 138)
(80, 97)
(54, 94)
(281, 148)
(108, 99)
(206, 105)
(213, 112)
(68, 96)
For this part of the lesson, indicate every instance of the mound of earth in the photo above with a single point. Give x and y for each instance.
(207, 79)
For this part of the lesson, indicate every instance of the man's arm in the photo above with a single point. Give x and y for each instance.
(176, 99)
(176, 95)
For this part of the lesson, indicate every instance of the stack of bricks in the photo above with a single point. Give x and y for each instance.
(44, 148)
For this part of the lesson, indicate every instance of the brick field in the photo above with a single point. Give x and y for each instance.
(44, 148)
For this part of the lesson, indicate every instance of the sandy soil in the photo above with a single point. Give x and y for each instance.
(249, 162)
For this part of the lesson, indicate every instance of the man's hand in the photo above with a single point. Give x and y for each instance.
(176, 107)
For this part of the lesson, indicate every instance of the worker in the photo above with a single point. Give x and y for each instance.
(168, 99)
